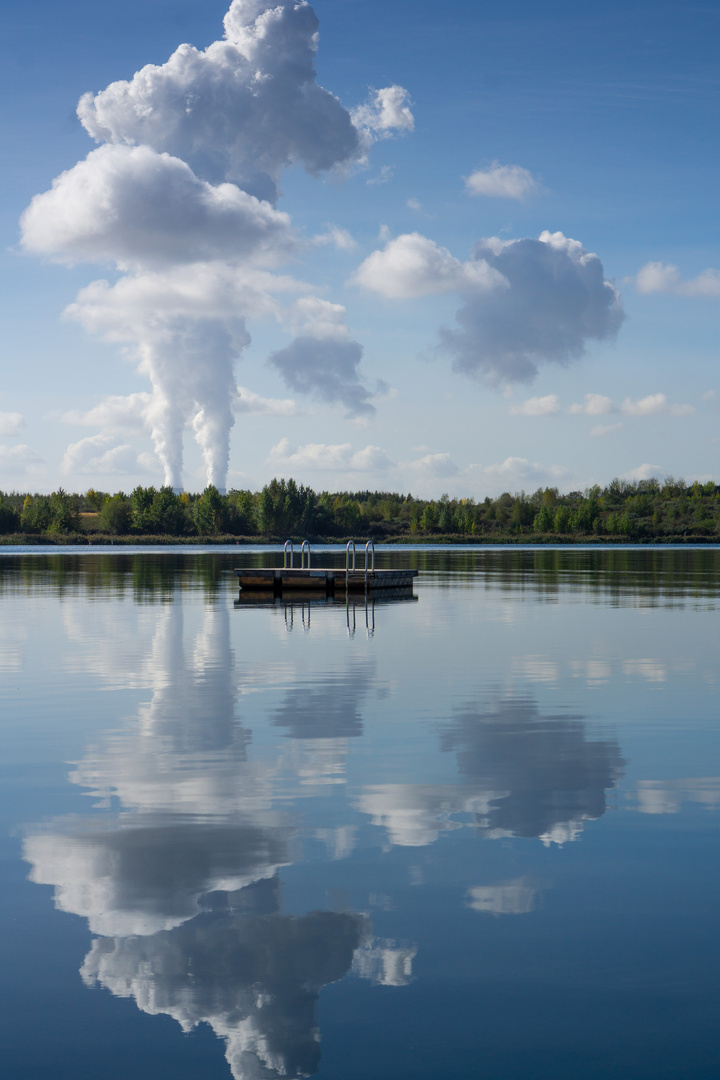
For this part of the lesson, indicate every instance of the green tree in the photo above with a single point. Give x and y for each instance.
(209, 512)
(115, 515)
(167, 513)
(64, 514)
(544, 520)
(141, 501)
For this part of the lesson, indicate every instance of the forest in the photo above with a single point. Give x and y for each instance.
(624, 511)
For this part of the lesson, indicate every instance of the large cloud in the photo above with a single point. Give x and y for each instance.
(243, 109)
(135, 207)
(525, 302)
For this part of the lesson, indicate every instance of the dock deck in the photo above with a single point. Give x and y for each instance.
(325, 580)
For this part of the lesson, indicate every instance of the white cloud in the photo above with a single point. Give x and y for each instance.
(323, 457)
(246, 401)
(516, 473)
(335, 236)
(645, 472)
(439, 465)
(525, 302)
(135, 207)
(11, 423)
(594, 405)
(383, 177)
(386, 111)
(413, 204)
(100, 455)
(116, 413)
(20, 460)
(538, 406)
(653, 405)
(242, 110)
(501, 182)
(665, 278)
(411, 266)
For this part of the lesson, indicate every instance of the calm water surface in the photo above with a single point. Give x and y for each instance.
(468, 835)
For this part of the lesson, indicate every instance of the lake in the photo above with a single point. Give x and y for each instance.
(468, 834)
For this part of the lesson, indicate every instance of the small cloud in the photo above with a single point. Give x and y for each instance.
(383, 177)
(11, 423)
(440, 465)
(101, 455)
(329, 458)
(645, 472)
(501, 182)
(335, 236)
(414, 204)
(20, 459)
(538, 406)
(115, 414)
(594, 405)
(246, 401)
(387, 111)
(604, 429)
(654, 405)
(516, 473)
(665, 278)
(709, 395)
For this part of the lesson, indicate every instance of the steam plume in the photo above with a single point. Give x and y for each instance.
(181, 197)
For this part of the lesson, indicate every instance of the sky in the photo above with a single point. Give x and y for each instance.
(397, 246)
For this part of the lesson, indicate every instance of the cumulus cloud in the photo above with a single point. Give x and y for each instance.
(653, 405)
(525, 302)
(665, 278)
(538, 406)
(323, 457)
(181, 198)
(386, 111)
(247, 401)
(593, 405)
(439, 465)
(501, 182)
(123, 413)
(336, 237)
(135, 207)
(101, 455)
(646, 471)
(20, 459)
(243, 109)
(327, 369)
(11, 423)
(411, 266)
(515, 473)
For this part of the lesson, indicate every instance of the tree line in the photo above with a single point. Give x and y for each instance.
(622, 511)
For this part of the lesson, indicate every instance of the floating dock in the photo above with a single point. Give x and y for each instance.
(289, 579)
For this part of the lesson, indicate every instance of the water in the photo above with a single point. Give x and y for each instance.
(469, 835)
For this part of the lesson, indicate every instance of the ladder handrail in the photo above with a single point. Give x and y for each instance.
(285, 554)
(350, 544)
(369, 547)
(305, 548)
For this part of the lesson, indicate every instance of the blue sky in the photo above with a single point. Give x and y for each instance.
(376, 343)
